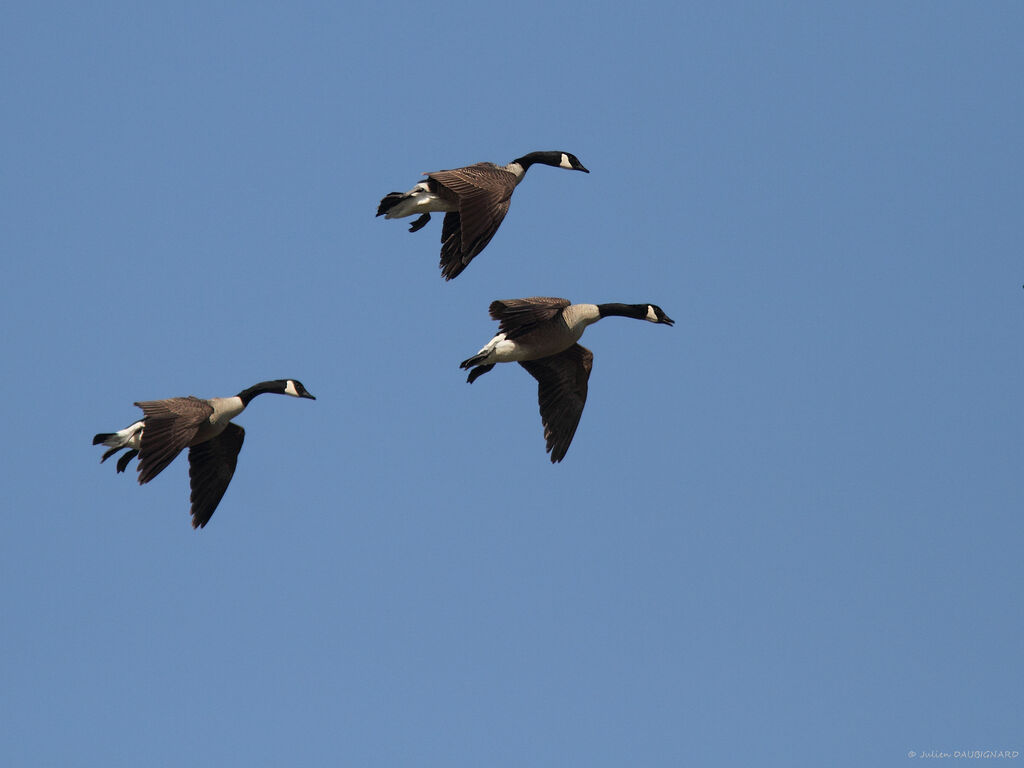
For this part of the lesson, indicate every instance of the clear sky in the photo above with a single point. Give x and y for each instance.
(788, 531)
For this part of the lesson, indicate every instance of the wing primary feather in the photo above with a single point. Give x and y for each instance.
(211, 467)
(562, 381)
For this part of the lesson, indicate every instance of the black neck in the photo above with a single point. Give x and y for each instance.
(637, 311)
(547, 158)
(277, 386)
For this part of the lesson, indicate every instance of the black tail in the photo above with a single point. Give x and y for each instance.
(479, 371)
(478, 357)
(101, 437)
(390, 200)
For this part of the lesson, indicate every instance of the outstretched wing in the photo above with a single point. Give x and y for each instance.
(211, 465)
(452, 262)
(562, 393)
(520, 316)
(484, 193)
(170, 426)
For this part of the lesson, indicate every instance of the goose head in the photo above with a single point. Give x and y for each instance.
(294, 388)
(656, 314)
(570, 161)
(556, 159)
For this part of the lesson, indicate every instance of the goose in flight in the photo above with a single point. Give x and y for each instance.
(474, 201)
(542, 335)
(205, 427)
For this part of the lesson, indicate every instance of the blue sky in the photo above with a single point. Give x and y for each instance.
(788, 529)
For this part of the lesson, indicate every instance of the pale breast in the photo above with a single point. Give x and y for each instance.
(578, 316)
(224, 410)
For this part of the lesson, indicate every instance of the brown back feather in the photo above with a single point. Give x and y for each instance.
(520, 316)
(171, 425)
(483, 192)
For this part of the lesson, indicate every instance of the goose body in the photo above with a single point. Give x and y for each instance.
(205, 427)
(474, 200)
(542, 335)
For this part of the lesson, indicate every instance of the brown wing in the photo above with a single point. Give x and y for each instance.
(483, 193)
(562, 393)
(211, 465)
(452, 263)
(170, 426)
(520, 316)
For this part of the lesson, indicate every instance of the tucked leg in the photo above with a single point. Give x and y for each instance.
(420, 223)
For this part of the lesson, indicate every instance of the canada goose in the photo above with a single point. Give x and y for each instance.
(541, 334)
(204, 427)
(474, 200)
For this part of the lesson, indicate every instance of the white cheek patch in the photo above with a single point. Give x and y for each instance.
(289, 389)
(650, 314)
(565, 162)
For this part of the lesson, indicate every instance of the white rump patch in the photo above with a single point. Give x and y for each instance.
(565, 162)
(289, 389)
(490, 345)
(129, 437)
(419, 200)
